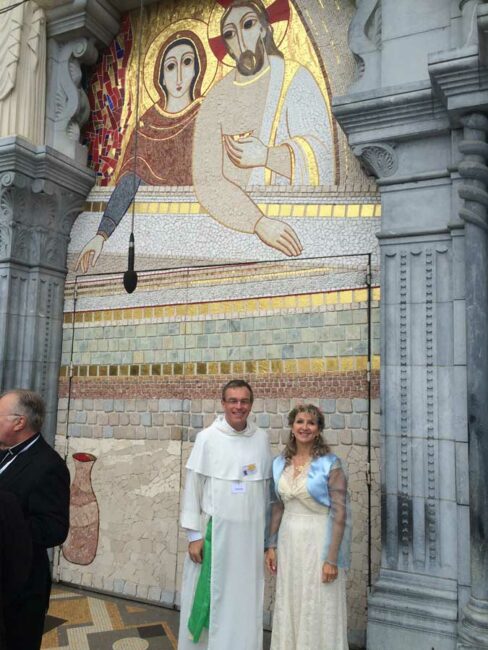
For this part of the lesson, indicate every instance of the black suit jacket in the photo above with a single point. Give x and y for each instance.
(40, 480)
(15, 553)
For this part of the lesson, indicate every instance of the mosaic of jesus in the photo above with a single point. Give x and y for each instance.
(231, 96)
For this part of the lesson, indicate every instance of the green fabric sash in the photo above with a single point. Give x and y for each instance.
(200, 612)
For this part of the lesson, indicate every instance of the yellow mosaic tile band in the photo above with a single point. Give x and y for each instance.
(225, 308)
(193, 369)
(295, 210)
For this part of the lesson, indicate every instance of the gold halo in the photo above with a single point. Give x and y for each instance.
(279, 28)
(198, 27)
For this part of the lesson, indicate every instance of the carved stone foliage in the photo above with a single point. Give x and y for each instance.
(35, 221)
(379, 159)
(68, 107)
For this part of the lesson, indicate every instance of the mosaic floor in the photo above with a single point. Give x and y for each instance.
(82, 620)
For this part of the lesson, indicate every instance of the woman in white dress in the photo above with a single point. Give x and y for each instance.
(312, 516)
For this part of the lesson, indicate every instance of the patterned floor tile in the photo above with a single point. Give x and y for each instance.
(80, 620)
(83, 620)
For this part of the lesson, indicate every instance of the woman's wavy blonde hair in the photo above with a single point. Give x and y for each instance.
(320, 447)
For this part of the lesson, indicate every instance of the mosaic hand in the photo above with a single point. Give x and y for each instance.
(246, 152)
(90, 253)
(279, 235)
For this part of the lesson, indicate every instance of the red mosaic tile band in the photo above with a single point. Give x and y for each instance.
(329, 385)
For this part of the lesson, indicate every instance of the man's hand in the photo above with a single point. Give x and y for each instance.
(246, 152)
(278, 235)
(329, 572)
(90, 254)
(195, 549)
(270, 561)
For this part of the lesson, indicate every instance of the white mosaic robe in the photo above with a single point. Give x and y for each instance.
(217, 487)
(296, 114)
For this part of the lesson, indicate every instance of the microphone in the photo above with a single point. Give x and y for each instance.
(130, 276)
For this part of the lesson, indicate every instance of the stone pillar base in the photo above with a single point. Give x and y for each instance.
(473, 629)
(412, 612)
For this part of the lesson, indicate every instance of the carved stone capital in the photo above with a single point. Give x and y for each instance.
(35, 223)
(38, 206)
(379, 159)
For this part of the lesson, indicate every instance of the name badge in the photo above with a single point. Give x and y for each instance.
(238, 487)
(249, 470)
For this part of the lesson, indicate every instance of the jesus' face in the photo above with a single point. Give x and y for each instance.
(244, 37)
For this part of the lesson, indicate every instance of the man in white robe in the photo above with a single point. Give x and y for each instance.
(227, 482)
(264, 123)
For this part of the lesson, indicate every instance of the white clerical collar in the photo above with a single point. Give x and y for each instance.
(16, 450)
(222, 425)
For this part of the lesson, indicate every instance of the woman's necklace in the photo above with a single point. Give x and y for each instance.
(299, 464)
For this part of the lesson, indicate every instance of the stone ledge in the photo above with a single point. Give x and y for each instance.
(398, 112)
(94, 19)
(459, 81)
(43, 164)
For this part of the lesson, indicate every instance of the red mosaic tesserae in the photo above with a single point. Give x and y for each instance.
(104, 131)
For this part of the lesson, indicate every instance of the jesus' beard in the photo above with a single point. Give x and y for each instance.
(250, 63)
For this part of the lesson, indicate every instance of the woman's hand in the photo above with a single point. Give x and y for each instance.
(270, 561)
(329, 572)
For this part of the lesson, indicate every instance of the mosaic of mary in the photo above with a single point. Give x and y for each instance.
(164, 137)
(165, 131)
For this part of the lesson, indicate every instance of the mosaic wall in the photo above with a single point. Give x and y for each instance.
(145, 380)
(234, 153)
(255, 240)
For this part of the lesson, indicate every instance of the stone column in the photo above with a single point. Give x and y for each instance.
(400, 119)
(473, 630)
(415, 600)
(41, 193)
(44, 180)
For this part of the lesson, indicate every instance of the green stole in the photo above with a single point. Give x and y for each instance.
(200, 612)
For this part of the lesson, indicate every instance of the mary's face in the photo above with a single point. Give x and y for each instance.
(179, 70)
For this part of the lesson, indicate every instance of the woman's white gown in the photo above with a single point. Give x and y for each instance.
(308, 614)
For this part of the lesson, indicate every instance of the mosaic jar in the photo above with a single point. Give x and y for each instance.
(84, 517)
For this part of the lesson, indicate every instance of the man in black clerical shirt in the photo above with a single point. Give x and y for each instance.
(15, 554)
(36, 475)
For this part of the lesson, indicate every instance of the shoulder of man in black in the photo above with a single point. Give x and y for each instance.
(40, 480)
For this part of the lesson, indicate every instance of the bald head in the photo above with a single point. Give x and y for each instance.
(21, 415)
